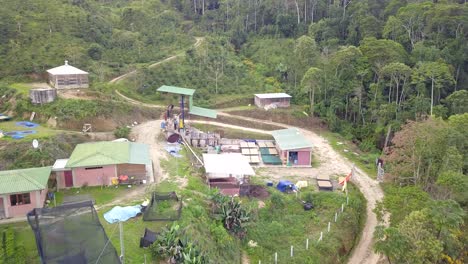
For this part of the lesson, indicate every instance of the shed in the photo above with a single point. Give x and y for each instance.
(277, 99)
(293, 148)
(68, 77)
(227, 171)
(99, 163)
(42, 95)
(22, 190)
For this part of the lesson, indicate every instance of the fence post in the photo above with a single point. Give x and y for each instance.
(259, 262)
(276, 257)
(321, 236)
(307, 243)
(342, 207)
(336, 216)
(328, 226)
(347, 200)
(292, 251)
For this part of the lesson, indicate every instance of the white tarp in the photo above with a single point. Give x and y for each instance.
(60, 165)
(227, 165)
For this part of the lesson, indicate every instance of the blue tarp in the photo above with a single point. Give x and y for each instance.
(284, 186)
(173, 150)
(20, 134)
(122, 214)
(27, 124)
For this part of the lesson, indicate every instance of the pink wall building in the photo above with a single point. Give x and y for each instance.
(293, 148)
(22, 190)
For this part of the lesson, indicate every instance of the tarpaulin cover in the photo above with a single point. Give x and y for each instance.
(122, 214)
(284, 186)
(173, 150)
(27, 124)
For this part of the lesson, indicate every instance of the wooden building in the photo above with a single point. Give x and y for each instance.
(68, 77)
(277, 99)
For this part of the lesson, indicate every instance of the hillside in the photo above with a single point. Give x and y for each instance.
(391, 77)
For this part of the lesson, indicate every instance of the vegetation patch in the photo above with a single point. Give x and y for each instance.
(283, 223)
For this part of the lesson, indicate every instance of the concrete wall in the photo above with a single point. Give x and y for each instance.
(94, 177)
(37, 201)
(280, 102)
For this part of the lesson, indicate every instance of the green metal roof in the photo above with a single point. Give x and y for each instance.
(108, 153)
(291, 138)
(24, 180)
(199, 111)
(176, 90)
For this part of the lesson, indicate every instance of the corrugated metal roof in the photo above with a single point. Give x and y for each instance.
(200, 111)
(24, 180)
(108, 153)
(273, 95)
(290, 138)
(225, 164)
(176, 90)
(139, 153)
(65, 69)
(59, 165)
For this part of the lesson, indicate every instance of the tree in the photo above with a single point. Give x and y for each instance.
(446, 214)
(381, 52)
(398, 73)
(311, 81)
(438, 73)
(457, 102)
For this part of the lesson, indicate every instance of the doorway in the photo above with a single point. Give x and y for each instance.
(2, 209)
(293, 157)
(68, 178)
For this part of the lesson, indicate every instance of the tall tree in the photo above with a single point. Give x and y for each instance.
(438, 73)
(311, 81)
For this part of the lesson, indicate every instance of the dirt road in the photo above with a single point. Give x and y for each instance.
(198, 41)
(148, 133)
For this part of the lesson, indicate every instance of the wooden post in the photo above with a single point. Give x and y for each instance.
(307, 243)
(347, 200)
(328, 227)
(292, 251)
(276, 257)
(342, 207)
(122, 248)
(336, 216)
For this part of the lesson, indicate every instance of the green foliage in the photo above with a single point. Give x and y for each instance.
(122, 132)
(172, 245)
(10, 250)
(232, 213)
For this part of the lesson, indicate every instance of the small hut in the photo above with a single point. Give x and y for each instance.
(293, 147)
(68, 77)
(42, 95)
(277, 99)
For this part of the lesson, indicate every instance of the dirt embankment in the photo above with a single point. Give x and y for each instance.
(296, 119)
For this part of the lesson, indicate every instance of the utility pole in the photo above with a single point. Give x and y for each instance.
(122, 248)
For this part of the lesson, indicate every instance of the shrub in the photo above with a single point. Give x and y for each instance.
(122, 132)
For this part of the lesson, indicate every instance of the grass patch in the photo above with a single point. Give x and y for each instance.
(22, 88)
(100, 195)
(365, 161)
(231, 132)
(42, 132)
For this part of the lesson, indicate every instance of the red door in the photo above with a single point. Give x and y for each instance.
(68, 179)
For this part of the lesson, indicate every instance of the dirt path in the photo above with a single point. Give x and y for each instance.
(198, 41)
(148, 133)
